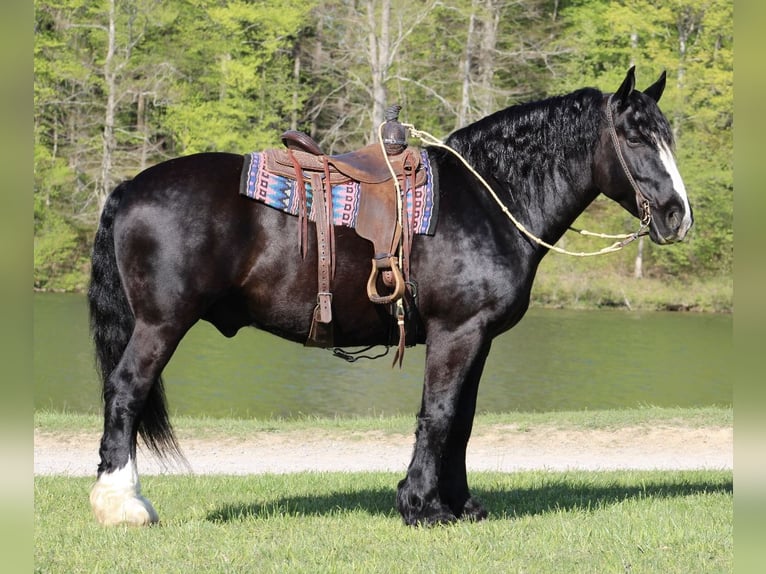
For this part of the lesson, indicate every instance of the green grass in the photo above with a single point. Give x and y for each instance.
(588, 285)
(54, 421)
(540, 522)
(663, 522)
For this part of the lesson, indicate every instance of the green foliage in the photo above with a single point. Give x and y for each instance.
(212, 75)
(60, 254)
(693, 42)
(60, 249)
(245, 91)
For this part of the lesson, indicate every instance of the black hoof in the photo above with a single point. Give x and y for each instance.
(417, 511)
(473, 511)
(430, 517)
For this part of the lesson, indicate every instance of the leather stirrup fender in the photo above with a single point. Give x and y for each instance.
(386, 262)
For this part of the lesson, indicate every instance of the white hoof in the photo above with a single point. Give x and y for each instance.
(116, 499)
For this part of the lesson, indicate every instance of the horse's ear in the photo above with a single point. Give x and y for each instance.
(655, 90)
(622, 93)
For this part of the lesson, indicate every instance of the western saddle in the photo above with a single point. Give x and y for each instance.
(384, 180)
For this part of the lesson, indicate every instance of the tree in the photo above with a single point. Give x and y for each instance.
(361, 66)
(238, 74)
(693, 41)
(121, 84)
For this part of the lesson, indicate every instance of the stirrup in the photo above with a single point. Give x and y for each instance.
(385, 262)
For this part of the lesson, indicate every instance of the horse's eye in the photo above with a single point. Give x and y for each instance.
(634, 140)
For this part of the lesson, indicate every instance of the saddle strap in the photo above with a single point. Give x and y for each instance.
(323, 311)
(303, 218)
(329, 220)
(410, 163)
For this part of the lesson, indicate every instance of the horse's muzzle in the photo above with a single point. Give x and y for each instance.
(671, 227)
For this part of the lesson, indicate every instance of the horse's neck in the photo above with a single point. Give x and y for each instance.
(558, 200)
(539, 158)
(546, 202)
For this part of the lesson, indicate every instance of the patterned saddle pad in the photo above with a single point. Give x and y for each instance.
(280, 193)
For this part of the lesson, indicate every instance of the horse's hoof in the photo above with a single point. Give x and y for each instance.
(116, 499)
(417, 510)
(441, 517)
(432, 515)
(473, 511)
(113, 508)
(135, 511)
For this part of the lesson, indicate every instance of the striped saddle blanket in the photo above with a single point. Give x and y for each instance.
(280, 192)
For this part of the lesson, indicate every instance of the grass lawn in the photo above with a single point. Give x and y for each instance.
(202, 427)
(540, 521)
(346, 522)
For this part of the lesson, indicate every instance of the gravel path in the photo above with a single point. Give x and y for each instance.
(495, 448)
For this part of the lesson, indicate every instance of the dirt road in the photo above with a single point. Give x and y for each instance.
(493, 448)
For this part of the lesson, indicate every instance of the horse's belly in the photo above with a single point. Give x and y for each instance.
(280, 294)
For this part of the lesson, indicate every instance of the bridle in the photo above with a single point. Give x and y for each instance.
(644, 207)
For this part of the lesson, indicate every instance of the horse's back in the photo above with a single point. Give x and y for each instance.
(199, 177)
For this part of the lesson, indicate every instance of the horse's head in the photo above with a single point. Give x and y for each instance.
(637, 168)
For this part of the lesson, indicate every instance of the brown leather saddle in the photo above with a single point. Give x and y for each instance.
(379, 219)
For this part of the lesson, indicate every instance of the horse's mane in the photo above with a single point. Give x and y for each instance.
(528, 142)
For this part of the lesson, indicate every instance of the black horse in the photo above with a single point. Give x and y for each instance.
(178, 243)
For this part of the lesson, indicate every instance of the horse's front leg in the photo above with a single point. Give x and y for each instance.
(435, 490)
(453, 480)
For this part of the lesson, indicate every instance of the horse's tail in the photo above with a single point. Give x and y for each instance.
(111, 325)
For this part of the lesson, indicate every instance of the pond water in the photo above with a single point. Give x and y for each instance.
(553, 360)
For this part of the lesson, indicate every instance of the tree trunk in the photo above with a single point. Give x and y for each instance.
(316, 65)
(685, 24)
(296, 86)
(487, 49)
(142, 127)
(638, 265)
(105, 184)
(465, 96)
(380, 47)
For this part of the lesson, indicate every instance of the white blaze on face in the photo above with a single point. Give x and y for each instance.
(666, 156)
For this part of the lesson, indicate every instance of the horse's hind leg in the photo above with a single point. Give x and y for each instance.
(116, 497)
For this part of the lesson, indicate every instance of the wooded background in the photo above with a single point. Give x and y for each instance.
(122, 84)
